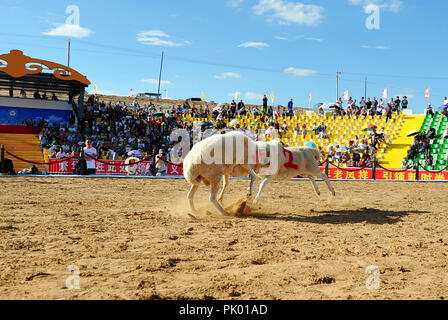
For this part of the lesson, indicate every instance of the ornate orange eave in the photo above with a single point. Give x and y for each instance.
(18, 65)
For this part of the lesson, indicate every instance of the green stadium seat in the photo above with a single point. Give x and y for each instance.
(421, 156)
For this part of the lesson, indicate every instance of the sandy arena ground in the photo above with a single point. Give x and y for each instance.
(133, 239)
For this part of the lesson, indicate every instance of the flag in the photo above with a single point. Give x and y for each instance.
(427, 93)
(272, 97)
(203, 96)
(95, 87)
(131, 94)
(346, 95)
(385, 93)
(310, 98)
(236, 95)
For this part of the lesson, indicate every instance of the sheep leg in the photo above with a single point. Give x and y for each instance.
(224, 186)
(330, 187)
(214, 188)
(191, 195)
(263, 183)
(313, 181)
(253, 178)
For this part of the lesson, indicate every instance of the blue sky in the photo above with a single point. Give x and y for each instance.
(253, 47)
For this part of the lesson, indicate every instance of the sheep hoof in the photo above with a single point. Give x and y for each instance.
(192, 216)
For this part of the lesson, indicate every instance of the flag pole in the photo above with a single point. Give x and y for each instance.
(160, 77)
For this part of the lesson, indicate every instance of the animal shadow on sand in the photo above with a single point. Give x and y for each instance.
(354, 216)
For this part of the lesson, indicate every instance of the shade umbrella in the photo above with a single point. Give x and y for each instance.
(135, 153)
(257, 123)
(343, 149)
(413, 133)
(331, 145)
(370, 128)
(159, 113)
(310, 144)
(233, 122)
(442, 108)
(207, 124)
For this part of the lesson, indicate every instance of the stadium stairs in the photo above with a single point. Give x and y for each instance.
(395, 152)
(439, 145)
(26, 146)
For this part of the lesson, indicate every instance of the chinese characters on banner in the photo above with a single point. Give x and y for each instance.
(107, 167)
(143, 168)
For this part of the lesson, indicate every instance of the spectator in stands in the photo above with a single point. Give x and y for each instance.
(304, 131)
(22, 94)
(388, 112)
(37, 95)
(431, 134)
(62, 154)
(396, 105)
(369, 104)
(429, 110)
(355, 160)
(90, 154)
(265, 104)
(362, 103)
(345, 158)
(54, 98)
(291, 107)
(160, 164)
(429, 159)
(445, 101)
(404, 103)
(404, 163)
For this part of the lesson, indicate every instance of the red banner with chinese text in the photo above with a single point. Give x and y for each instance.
(143, 168)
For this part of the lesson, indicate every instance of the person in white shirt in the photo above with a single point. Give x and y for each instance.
(160, 164)
(89, 150)
(445, 101)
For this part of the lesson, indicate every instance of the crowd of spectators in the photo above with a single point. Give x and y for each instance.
(118, 129)
(371, 107)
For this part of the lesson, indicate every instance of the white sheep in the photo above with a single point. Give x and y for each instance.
(289, 163)
(214, 157)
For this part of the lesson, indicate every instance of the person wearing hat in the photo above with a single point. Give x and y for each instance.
(161, 164)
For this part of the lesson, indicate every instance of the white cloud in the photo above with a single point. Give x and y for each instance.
(300, 72)
(391, 5)
(284, 12)
(254, 45)
(376, 47)
(154, 33)
(315, 39)
(156, 81)
(69, 30)
(253, 96)
(153, 38)
(282, 38)
(228, 75)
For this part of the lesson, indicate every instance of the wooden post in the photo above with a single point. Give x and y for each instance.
(2, 159)
(374, 170)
